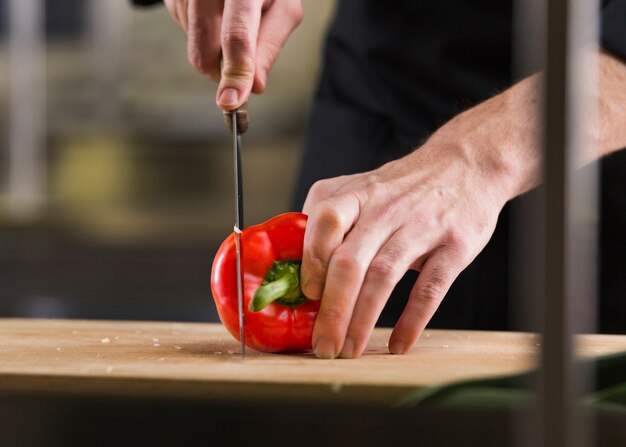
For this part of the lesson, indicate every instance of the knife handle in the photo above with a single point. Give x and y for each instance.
(242, 118)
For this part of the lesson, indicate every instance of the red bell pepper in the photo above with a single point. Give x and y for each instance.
(278, 317)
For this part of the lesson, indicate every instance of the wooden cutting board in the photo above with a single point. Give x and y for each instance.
(185, 360)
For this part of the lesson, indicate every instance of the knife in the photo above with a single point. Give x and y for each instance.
(237, 122)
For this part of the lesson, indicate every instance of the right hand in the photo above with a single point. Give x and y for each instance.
(246, 34)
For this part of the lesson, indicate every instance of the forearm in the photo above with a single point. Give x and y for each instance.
(501, 137)
(610, 135)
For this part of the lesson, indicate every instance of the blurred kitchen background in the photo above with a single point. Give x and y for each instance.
(115, 164)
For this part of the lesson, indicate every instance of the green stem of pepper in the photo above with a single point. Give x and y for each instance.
(281, 285)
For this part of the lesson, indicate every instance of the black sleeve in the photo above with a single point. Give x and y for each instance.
(613, 32)
(612, 36)
(145, 2)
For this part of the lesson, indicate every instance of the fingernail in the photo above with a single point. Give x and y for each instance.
(397, 347)
(347, 352)
(325, 348)
(229, 98)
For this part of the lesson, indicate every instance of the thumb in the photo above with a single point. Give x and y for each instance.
(240, 27)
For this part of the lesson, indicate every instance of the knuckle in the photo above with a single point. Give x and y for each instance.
(198, 60)
(240, 73)
(345, 262)
(458, 243)
(316, 261)
(237, 37)
(385, 210)
(319, 189)
(431, 291)
(429, 295)
(382, 269)
(245, 7)
(198, 55)
(328, 216)
(333, 315)
(296, 12)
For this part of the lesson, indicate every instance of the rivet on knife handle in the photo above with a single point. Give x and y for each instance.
(242, 118)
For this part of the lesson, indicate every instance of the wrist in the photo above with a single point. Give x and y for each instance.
(500, 140)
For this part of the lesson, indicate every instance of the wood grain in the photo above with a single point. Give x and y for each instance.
(185, 360)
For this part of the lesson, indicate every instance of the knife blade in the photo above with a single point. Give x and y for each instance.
(237, 122)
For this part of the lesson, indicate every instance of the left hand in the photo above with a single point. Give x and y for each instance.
(433, 211)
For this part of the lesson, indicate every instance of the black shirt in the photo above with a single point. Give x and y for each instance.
(409, 66)
(395, 72)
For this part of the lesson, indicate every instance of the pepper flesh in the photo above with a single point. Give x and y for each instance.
(286, 327)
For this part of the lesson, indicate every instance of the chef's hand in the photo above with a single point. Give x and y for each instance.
(247, 34)
(433, 211)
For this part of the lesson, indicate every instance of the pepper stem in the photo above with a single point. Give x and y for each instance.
(281, 285)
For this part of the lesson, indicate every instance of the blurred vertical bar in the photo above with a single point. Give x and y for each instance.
(570, 90)
(27, 146)
(109, 29)
(582, 206)
(556, 385)
(555, 231)
(527, 237)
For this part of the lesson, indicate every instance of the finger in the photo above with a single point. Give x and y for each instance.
(204, 25)
(172, 9)
(346, 271)
(321, 190)
(433, 282)
(240, 28)
(276, 26)
(384, 272)
(181, 12)
(328, 223)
